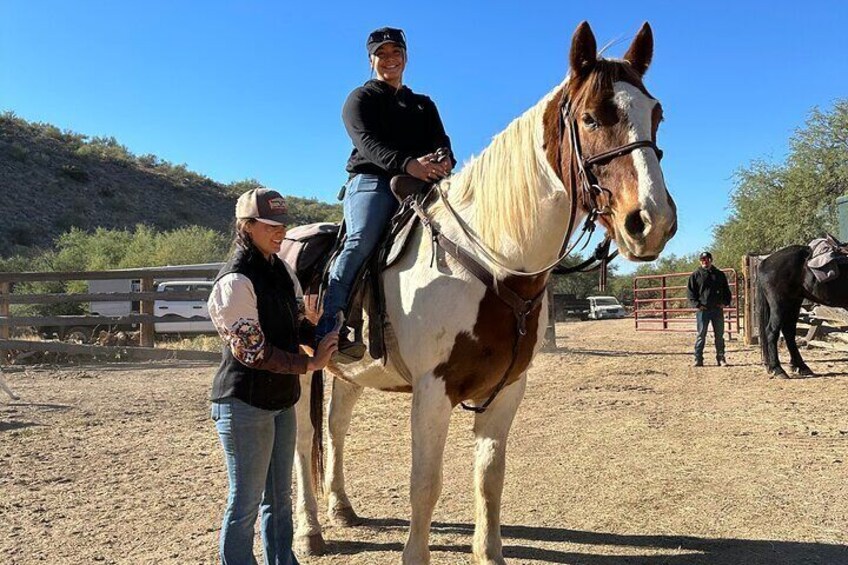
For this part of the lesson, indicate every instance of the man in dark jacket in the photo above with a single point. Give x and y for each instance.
(709, 292)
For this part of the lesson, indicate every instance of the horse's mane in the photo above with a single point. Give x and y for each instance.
(504, 187)
(501, 186)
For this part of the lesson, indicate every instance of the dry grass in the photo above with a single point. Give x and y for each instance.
(621, 454)
(211, 342)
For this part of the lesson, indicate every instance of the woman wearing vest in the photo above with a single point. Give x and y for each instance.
(394, 131)
(257, 306)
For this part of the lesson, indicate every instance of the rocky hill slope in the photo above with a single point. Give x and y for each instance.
(52, 180)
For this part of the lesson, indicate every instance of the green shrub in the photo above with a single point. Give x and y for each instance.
(75, 173)
(18, 152)
(149, 160)
(106, 148)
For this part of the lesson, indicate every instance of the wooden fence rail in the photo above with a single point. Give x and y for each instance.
(145, 318)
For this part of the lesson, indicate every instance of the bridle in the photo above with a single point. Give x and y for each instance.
(585, 185)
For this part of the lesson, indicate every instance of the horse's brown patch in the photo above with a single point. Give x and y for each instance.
(478, 360)
(551, 137)
(591, 95)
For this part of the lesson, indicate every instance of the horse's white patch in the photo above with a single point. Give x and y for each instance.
(638, 107)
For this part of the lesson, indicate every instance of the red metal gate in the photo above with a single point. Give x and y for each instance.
(660, 303)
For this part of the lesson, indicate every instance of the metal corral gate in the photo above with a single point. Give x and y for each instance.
(660, 303)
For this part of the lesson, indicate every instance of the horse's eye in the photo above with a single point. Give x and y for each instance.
(589, 121)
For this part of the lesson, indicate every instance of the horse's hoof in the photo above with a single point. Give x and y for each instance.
(803, 371)
(778, 374)
(345, 517)
(309, 545)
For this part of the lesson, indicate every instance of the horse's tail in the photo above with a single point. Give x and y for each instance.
(316, 416)
(765, 314)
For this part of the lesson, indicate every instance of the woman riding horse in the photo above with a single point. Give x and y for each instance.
(394, 131)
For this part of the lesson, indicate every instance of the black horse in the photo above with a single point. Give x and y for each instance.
(784, 282)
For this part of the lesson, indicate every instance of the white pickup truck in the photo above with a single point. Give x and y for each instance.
(184, 308)
(605, 307)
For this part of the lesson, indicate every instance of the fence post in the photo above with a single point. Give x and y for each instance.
(4, 307)
(550, 331)
(147, 328)
(664, 306)
(635, 305)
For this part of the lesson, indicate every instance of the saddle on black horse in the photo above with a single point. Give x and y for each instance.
(828, 256)
(313, 248)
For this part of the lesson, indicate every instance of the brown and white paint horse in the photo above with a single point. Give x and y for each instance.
(453, 334)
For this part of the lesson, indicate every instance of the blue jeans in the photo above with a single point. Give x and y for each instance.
(714, 316)
(259, 450)
(368, 206)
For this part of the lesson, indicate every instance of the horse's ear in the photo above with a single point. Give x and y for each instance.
(641, 51)
(584, 51)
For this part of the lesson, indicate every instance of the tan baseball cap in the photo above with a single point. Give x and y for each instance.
(264, 205)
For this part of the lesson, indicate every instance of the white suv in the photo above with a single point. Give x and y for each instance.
(604, 307)
(184, 308)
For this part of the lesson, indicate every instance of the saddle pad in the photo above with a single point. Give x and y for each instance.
(303, 246)
(306, 249)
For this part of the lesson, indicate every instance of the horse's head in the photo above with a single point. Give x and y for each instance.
(600, 135)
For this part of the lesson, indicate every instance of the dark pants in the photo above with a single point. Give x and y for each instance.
(705, 318)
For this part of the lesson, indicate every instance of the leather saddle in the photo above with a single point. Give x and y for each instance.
(312, 249)
(828, 256)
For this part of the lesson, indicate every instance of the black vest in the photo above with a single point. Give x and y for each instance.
(277, 306)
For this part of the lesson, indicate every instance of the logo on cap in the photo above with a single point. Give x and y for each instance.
(277, 205)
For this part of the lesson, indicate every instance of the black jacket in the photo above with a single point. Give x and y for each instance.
(389, 127)
(708, 287)
(268, 384)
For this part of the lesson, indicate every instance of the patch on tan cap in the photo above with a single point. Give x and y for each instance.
(278, 205)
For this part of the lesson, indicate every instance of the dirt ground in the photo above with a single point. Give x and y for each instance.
(620, 454)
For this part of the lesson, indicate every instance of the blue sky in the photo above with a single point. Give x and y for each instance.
(254, 89)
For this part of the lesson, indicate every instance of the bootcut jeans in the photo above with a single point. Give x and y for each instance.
(259, 451)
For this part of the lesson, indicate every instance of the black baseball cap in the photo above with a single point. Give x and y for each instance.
(264, 205)
(706, 255)
(380, 37)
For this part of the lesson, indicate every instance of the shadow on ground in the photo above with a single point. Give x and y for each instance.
(9, 426)
(691, 550)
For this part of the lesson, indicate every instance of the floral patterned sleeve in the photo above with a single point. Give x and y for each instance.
(232, 308)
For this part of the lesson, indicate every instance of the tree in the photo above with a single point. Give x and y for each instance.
(103, 249)
(774, 205)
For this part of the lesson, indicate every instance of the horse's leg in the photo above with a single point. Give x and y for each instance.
(339, 413)
(491, 429)
(431, 409)
(307, 539)
(775, 322)
(790, 329)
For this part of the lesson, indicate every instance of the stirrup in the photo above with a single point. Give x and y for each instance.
(349, 352)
